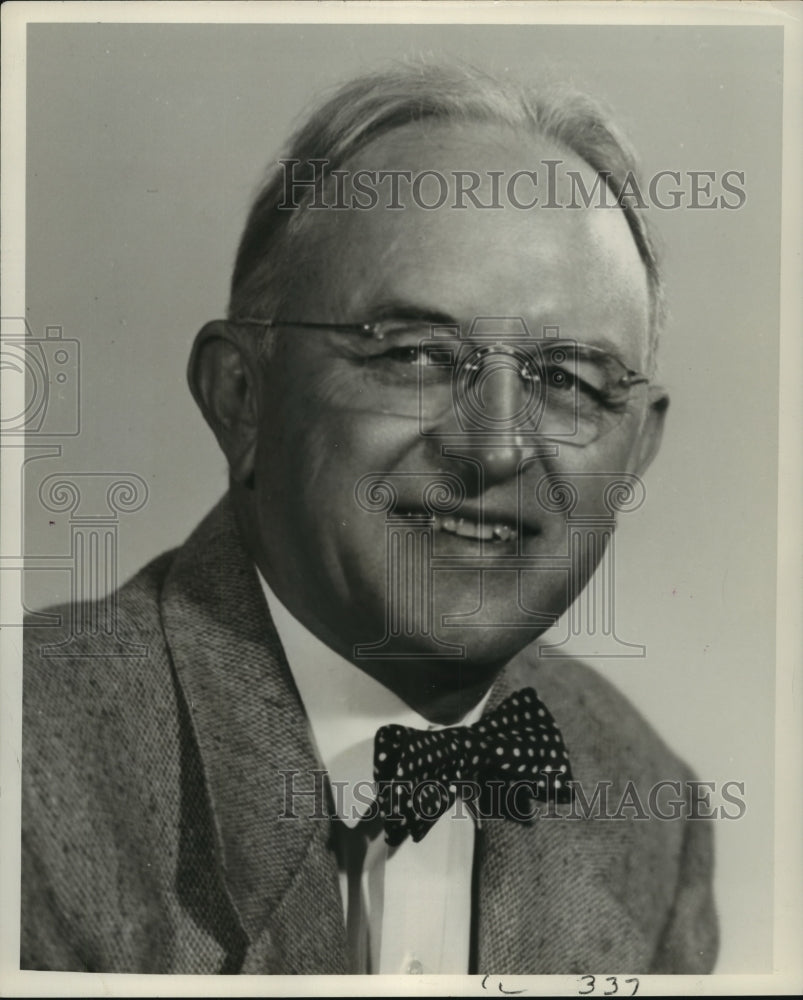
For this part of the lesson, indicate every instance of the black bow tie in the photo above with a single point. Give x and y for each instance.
(513, 755)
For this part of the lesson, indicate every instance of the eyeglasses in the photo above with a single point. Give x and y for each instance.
(494, 379)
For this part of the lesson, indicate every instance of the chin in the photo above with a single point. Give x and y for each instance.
(463, 622)
(490, 647)
(451, 648)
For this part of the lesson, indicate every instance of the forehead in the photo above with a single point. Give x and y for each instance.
(577, 267)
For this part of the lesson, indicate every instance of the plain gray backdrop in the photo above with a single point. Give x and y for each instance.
(145, 144)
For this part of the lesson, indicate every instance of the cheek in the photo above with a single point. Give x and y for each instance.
(590, 482)
(615, 452)
(313, 458)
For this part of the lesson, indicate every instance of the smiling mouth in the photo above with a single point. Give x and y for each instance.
(468, 528)
(491, 529)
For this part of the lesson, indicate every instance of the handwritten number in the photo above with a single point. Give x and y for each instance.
(589, 981)
(500, 987)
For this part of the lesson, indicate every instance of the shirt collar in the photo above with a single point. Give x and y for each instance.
(345, 707)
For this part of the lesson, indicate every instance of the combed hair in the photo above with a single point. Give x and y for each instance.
(372, 105)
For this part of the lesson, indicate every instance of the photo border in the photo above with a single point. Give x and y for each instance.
(789, 745)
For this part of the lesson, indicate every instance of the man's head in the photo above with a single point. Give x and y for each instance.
(307, 412)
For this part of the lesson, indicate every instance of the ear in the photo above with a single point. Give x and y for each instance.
(651, 433)
(223, 380)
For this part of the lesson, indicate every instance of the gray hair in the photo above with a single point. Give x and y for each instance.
(375, 104)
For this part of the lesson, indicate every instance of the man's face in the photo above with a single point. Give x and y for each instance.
(329, 417)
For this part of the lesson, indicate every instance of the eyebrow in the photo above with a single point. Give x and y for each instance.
(401, 309)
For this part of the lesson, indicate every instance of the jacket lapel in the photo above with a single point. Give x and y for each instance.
(544, 907)
(545, 902)
(254, 744)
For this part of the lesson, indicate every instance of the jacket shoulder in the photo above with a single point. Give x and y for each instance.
(99, 646)
(98, 686)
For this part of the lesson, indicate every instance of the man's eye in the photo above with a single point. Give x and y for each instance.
(559, 378)
(565, 380)
(406, 354)
(400, 364)
(581, 377)
(584, 387)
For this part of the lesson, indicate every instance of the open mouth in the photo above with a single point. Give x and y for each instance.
(489, 528)
(469, 528)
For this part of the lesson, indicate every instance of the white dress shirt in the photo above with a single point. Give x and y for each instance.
(407, 909)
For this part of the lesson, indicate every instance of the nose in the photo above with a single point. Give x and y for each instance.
(500, 388)
(497, 404)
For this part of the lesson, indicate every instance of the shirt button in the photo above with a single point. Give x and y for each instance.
(414, 968)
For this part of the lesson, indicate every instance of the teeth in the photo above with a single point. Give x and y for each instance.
(503, 532)
(471, 529)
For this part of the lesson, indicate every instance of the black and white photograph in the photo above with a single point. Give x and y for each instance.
(401, 499)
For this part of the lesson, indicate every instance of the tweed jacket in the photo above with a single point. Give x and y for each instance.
(152, 831)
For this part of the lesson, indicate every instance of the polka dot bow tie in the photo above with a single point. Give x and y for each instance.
(498, 766)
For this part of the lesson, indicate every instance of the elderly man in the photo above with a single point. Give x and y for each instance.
(342, 751)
